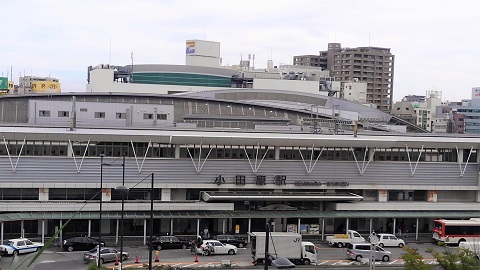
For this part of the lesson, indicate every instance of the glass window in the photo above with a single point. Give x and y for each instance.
(148, 116)
(28, 242)
(99, 114)
(43, 113)
(63, 113)
(161, 116)
(121, 116)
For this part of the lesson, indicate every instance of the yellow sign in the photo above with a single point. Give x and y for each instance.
(237, 228)
(156, 252)
(46, 86)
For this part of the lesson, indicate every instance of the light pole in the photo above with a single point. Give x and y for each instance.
(123, 190)
(100, 214)
(151, 227)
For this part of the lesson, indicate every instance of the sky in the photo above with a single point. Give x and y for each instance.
(436, 43)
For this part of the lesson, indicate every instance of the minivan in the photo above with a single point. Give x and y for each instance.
(358, 251)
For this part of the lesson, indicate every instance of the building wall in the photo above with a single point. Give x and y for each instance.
(355, 91)
(311, 87)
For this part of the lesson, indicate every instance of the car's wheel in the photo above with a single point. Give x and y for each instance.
(358, 258)
(240, 245)
(207, 252)
(15, 253)
(477, 257)
(385, 258)
(159, 247)
(70, 248)
(400, 245)
(381, 245)
(231, 252)
(102, 260)
(306, 261)
(461, 240)
(38, 249)
(184, 246)
(340, 245)
(124, 258)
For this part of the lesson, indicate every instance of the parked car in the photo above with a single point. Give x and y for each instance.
(106, 255)
(80, 243)
(232, 240)
(389, 240)
(169, 242)
(356, 251)
(19, 246)
(210, 247)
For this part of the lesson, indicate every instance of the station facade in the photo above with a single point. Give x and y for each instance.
(226, 165)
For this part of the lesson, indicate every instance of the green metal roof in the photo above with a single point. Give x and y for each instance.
(242, 214)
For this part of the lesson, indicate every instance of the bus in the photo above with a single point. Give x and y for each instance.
(456, 231)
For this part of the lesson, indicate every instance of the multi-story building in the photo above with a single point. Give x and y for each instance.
(35, 84)
(372, 65)
(310, 60)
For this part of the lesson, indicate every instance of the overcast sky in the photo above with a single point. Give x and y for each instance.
(436, 43)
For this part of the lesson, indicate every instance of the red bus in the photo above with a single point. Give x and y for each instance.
(456, 231)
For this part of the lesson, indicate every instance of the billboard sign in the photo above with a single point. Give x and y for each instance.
(3, 83)
(190, 47)
(476, 93)
(46, 86)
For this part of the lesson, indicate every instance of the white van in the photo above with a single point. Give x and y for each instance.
(357, 251)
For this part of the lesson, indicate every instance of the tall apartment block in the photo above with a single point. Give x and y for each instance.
(373, 65)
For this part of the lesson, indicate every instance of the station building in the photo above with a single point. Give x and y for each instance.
(229, 160)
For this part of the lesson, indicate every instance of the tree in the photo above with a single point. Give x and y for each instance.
(413, 260)
(461, 259)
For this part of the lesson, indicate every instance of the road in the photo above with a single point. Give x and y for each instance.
(55, 258)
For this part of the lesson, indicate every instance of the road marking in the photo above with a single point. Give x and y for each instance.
(392, 262)
(321, 263)
(189, 265)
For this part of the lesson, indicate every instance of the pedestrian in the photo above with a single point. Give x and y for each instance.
(206, 234)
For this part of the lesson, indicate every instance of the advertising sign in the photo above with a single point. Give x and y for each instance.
(190, 47)
(46, 86)
(3, 83)
(476, 93)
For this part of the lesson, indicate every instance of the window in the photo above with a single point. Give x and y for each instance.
(83, 109)
(121, 115)
(43, 113)
(63, 113)
(99, 114)
(148, 116)
(161, 116)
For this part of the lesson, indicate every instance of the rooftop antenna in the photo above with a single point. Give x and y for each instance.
(110, 52)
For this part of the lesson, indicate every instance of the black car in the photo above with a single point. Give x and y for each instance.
(80, 243)
(169, 242)
(232, 240)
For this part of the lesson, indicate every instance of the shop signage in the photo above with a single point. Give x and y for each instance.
(318, 183)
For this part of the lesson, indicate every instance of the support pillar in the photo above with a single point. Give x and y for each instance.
(116, 233)
(177, 151)
(323, 228)
(298, 225)
(248, 233)
(416, 230)
(60, 235)
(394, 226)
(22, 229)
(1, 231)
(43, 231)
(89, 227)
(198, 226)
(166, 194)
(371, 226)
(144, 232)
(171, 227)
(223, 226)
(347, 225)
(277, 153)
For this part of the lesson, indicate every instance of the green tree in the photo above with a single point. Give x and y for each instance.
(413, 260)
(461, 259)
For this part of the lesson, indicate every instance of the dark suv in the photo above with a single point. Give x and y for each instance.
(169, 242)
(80, 243)
(232, 240)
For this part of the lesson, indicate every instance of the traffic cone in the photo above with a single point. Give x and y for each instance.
(116, 260)
(156, 258)
(196, 258)
(136, 259)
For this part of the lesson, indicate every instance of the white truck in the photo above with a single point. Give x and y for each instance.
(283, 245)
(340, 240)
(474, 247)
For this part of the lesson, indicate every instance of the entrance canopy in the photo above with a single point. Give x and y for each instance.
(278, 196)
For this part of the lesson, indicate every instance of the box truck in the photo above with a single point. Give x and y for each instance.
(283, 245)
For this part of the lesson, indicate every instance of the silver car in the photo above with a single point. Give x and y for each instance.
(362, 250)
(106, 255)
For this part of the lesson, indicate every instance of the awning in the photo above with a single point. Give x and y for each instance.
(243, 214)
(278, 196)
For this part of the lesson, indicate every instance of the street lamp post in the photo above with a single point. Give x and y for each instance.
(151, 227)
(100, 213)
(123, 190)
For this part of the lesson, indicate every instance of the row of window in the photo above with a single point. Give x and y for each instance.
(160, 116)
(156, 150)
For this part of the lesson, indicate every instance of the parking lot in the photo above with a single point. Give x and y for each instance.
(56, 258)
